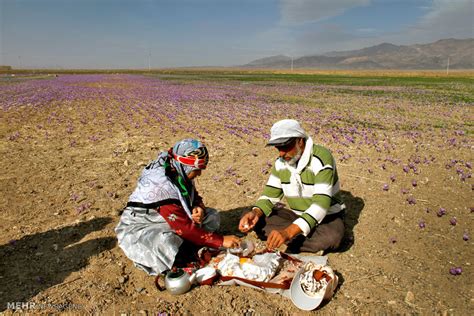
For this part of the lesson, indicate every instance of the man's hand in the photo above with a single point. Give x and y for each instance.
(198, 214)
(231, 241)
(249, 220)
(279, 237)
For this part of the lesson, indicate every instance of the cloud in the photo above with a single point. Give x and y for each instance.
(294, 12)
(331, 37)
(443, 19)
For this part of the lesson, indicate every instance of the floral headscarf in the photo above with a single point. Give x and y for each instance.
(185, 156)
(188, 155)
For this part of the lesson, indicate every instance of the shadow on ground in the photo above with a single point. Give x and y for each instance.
(37, 262)
(355, 205)
(230, 220)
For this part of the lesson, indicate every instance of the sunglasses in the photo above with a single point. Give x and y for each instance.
(287, 147)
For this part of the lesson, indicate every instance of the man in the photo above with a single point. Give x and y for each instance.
(305, 174)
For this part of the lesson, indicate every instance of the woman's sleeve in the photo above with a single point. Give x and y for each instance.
(187, 229)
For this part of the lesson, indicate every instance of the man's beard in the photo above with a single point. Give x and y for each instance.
(293, 161)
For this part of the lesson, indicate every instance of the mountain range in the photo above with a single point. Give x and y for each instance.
(459, 52)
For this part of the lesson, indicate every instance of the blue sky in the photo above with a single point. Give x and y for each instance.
(179, 33)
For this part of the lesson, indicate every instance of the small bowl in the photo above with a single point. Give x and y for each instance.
(247, 247)
(206, 276)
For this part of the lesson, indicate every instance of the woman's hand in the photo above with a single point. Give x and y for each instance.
(198, 214)
(249, 220)
(231, 241)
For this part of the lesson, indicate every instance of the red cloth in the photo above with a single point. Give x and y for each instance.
(179, 221)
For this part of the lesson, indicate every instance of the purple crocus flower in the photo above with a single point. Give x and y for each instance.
(453, 221)
(414, 183)
(385, 187)
(83, 207)
(455, 270)
(441, 212)
(421, 224)
(14, 136)
(465, 237)
(411, 200)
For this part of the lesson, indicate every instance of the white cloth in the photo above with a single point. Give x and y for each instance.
(302, 163)
(261, 268)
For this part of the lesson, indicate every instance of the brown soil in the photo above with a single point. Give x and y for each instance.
(60, 203)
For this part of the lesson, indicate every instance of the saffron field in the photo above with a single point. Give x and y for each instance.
(72, 148)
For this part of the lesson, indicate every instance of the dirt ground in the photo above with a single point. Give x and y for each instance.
(72, 148)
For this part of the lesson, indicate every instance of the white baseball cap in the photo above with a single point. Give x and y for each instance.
(306, 302)
(282, 132)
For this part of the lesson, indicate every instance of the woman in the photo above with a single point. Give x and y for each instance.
(165, 220)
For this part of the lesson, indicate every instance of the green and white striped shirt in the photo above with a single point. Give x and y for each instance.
(311, 189)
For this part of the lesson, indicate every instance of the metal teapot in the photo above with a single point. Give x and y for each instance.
(179, 282)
